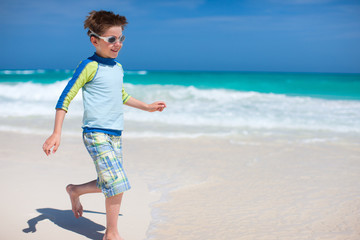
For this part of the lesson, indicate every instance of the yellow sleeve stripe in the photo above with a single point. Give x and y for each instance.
(84, 73)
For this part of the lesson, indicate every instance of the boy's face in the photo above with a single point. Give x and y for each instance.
(105, 49)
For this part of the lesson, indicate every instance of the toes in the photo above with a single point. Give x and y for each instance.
(76, 214)
(78, 211)
(81, 212)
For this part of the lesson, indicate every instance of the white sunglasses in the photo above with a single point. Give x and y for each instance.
(111, 39)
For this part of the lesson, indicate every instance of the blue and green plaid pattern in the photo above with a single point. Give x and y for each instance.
(106, 152)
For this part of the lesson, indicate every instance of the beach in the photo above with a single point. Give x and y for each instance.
(235, 155)
(36, 205)
(256, 187)
(239, 120)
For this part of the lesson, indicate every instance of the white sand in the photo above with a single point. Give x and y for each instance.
(202, 188)
(32, 181)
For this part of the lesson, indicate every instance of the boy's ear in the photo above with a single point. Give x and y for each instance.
(94, 40)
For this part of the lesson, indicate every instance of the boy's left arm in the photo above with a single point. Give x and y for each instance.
(153, 107)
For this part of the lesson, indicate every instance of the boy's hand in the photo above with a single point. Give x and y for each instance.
(156, 106)
(52, 141)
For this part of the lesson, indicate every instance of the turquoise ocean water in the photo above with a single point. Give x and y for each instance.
(204, 102)
(322, 85)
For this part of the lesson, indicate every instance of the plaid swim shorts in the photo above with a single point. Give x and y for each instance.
(106, 152)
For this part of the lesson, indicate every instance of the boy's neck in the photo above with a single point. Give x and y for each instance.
(106, 61)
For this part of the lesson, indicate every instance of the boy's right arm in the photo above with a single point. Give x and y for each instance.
(84, 73)
(54, 139)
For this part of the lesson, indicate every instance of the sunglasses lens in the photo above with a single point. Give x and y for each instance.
(112, 39)
(122, 38)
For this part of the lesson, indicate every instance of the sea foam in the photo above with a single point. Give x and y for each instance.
(190, 107)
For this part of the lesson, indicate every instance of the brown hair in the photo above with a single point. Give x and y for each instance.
(100, 21)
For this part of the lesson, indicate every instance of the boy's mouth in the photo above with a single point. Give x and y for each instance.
(116, 49)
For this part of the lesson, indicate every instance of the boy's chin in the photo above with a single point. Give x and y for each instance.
(114, 54)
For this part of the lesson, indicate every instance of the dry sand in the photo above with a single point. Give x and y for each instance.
(202, 188)
(35, 204)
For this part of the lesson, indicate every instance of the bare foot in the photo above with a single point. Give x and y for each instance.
(75, 201)
(109, 236)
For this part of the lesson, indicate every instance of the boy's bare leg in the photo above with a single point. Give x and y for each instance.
(112, 214)
(75, 191)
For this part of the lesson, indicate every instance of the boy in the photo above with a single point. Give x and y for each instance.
(101, 80)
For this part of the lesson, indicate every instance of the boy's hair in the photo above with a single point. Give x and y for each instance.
(100, 21)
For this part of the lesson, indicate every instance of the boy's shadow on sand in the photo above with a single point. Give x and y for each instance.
(65, 219)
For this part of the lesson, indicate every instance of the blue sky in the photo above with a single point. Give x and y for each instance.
(252, 35)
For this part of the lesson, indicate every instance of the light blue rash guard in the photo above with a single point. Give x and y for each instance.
(101, 80)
